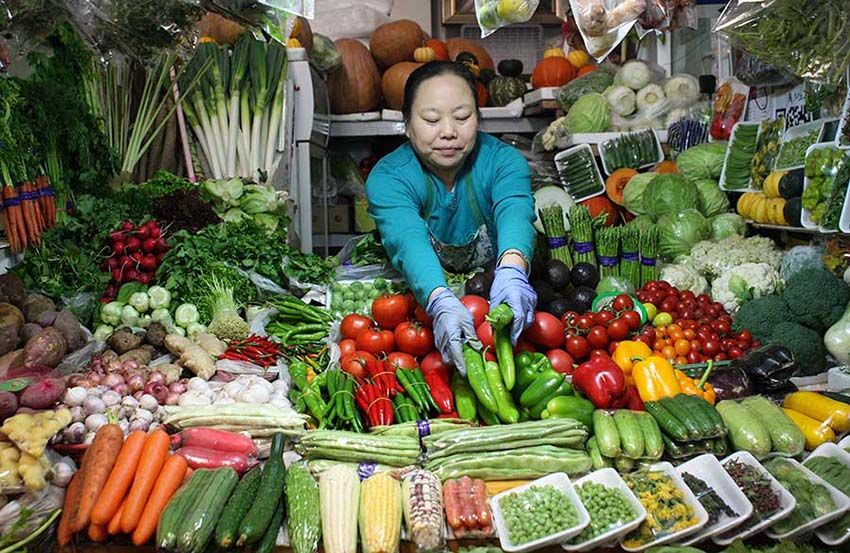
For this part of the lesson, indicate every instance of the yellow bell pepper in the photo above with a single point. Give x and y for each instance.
(629, 352)
(815, 431)
(821, 408)
(655, 379)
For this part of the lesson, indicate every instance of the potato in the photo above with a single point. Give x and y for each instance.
(70, 328)
(43, 393)
(35, 306)
(155, 335)
(48, 348)
(12, 289)
(123, 340)
(8, 405)
(11, 322)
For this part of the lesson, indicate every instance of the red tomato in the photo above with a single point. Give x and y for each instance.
(603, 317)
(356, 363)
(693, 356)
(420, 315)
(523, 345)
(735, 353)
(485, 334)
(618, 329)
(578, 347)
(632, 319)
(710, 348)
(546, 331)
(584, 322)
(347, 346)
(353, 324)
(569, 318)
(622, 302)
(433, 362)
(411, 303)
(745, 336)
(597, 337)
(650, 333)
(390, 310)
(414, 338)
(645, 339)
(478, 306)
(376, 341)
(612, 346)
(598, 353)
(561, 360)
(404, 360)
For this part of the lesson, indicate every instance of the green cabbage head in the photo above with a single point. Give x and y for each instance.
(678, 232)
(588, 114)
(634, 191)
(712, 200)
(669, 193)
(704, 161)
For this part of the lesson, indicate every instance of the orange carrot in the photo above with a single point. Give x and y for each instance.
(120, 478)
(69, 508)
(97, 533)
(169, 479)
(114, 526)
(188, 475)
(150, 463)
(12, 206)
(101, 454)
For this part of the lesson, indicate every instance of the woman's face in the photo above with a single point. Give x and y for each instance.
(443, 122)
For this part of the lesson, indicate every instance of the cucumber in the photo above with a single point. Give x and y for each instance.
(624, 464)
(631, 436)
(653, 445)
(721, 446)
(605, 430)
(198, 526)
(785, 436)
(269, 540)
(719, 426)
(237, 507)
(665, 419)
(178, 507)
(681, 414)
(599, 462)
(254, 525)
(746, 432)
(695, 407)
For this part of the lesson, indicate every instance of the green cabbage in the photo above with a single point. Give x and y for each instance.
(634, 191)
(704, 161)
(669, 193)
(727, 224)
(712, 200)
(678, 232)
(588, 114)
(642, 222)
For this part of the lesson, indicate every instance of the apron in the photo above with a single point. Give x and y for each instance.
(462, 258)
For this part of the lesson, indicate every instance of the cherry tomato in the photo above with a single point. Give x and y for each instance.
(668, 352)
(632, 319)
(689, 333)
(735, 353)
(478, 306)
(696, 345)
(722, 356)
(347, 346)
(711, 311)
(664, 285)
(578, 347)
(603, 317)
(612, 346)
(561, 361)
(728, 343)
(584, 322)
(618, 329)
(668, 305)
(658, 345)
(569, 318)
(352, 325)
(680, 360)
(703, 299)
(693, 356)
(682, 346)
(598, 353)
(649, 331)
(744, 336)
(597, 337)
(645, 339)
(687, 295)
(622, 302)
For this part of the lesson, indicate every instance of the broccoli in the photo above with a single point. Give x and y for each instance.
(761, 315)
(806, 345)
(817, 298)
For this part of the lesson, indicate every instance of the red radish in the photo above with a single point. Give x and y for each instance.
(149, 245)
(116, 236)
(159, 257)
(143, 232)
(155, 232)
(124, 262)
(127, 226)
(161, 246)
(136, 257)
(144, 278)
(117, 275)
(152, 224)
(131, 274)
(133, 244)
(219, 440)
(148, 263)
(112, 263)
(118, 248)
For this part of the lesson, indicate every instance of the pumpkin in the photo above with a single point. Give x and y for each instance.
(302, 31)
(504, 90)
(554, 53)
(457, 45)
(393, 81)
(666, 167)
(552, 72)
(441, 53)
(482, 93)
(325, 57)
(578, 58)
(220, 29)
(424, 54)
(356, 86)
(587, 69)
(510, 68)
(617, 182)
(599, 204)
(395, 42)
(293, 43)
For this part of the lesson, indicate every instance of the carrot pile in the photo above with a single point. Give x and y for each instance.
(122, 486)
(27, 211)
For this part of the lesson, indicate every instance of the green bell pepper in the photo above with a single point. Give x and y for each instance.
(565, 389)
(528, 368)
(544, 385)
(572, 407)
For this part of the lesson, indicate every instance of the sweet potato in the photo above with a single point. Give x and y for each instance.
(123, 340)
(8, 404)
(36, 372)
(35, 305)
(12, 289)
(43, 393)
(70, 328)
(48, 348)
(11, 361)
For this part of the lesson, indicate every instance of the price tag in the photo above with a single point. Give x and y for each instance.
(792, 106)
(14, 385)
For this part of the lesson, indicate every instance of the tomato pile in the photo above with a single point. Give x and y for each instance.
(135, 252)
(591, 334)
(698, 329)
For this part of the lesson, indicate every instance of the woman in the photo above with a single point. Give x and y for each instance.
(457, 199)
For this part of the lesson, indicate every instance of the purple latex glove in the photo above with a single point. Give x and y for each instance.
(510, 286)
(453, 327)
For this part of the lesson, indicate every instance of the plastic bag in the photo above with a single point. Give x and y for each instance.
(730, 382)
(655, 16)
(467, 511)
(753, 72)
(302, 509)
(604, 23)
(349, 179)
(769, 368)
(380, 513)
(730, 105)
(681, 14)
(423, 509)
(337, 485)
(30, 511)
(351, 18)
(494, 14)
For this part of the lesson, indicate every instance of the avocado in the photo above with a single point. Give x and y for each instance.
(584, 274)
(545, 292)
(582, 299)
(557, 274)
(558, 306)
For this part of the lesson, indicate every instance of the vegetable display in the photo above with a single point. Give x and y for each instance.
(739, 156)
(608, 508)
(666, 508)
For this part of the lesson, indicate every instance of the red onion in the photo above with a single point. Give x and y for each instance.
(136, 382)
(156, 377)
(113, 366)
(172, 399)
(94, 378)
(130, 365)
(177, 387)
(137, 394)
(112, 380)
(158, 390)
(122, 389)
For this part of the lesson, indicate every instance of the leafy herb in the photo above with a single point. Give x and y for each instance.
(369, 251)
(184, 209)
(142, 197)
(713, 503)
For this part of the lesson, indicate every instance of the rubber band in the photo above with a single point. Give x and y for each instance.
(556, 242)
(367, 469)
(405, 404)
(342, 391)
(630, 256)
(424, 428)
(583, 247)
(647, 261)
(382, 373)
(608, 261)
(376, 400)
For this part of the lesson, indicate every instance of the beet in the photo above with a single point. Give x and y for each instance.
(8, 405)
(43, 394)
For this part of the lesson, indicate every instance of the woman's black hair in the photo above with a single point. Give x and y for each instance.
(435, 69)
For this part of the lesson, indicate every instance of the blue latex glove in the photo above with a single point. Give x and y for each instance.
(510, 286)
(453, 327)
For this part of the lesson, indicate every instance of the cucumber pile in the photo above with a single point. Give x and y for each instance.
(742, 149)
(622, 438)
(690, 426)
(579, 174)
(632, 150)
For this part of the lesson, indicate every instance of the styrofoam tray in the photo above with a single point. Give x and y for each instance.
(829, 449)
(513, 110)
(708, 469)
(538, 95)
(845, 115)
(690, 499)
(797, 132)
(722, 181)
(844, 443)
(610, 478)
(659, 157)
(805, 214)
(842, 503)
(568, 153)
(560, 481)
(786, 505)
(844, 220)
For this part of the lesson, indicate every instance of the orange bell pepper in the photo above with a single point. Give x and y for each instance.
(655, 379)
(629, 352)
(694, 387)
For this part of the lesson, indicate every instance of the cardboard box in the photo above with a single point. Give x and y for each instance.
(339, 218)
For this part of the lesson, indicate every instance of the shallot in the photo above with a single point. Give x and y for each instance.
(156, 377)
(173, 398)
(112, 379)
(158, 390)
(121, 389)
(136, 382)
(130, 365)
(177, 387)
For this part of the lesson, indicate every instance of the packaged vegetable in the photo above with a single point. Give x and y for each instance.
(608, 509)
(537, 512)
(768, 368)
(834, 413)
(785, 437)
(746, 431)
(589, 114)
(813, 498)
(837, 338)
(380, 513)
(467, 511)
(757, 486)
(704, 161)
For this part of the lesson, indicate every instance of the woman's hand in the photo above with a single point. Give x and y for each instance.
(510, 286)
(453, 327)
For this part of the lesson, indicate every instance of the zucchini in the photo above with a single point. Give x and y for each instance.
(696, 408)
(665, 419)
(254, 525)
(198, 526)
(177, 508)
(680, 413)
(653, 445)
(302, 501)
(719, 426)
(269, 539)
(631, 436)
(721, 446)
(605, 430)
(599, 462)
(746, 432)
(237, 507)
(785, 436)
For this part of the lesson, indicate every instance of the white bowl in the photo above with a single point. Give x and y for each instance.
(829, 449)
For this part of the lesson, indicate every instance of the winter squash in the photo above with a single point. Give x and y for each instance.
(552, 72)
(589, 68)
(441, 53)
(220, 29)
(395, 42)
(393, 81)
(293, 43)
(578, 58)
(424, 54)
(356, 86)
(302, 31)
(485, 76)
(666, 166)
(504, 90)
(601, 204)
(510, 68)
(554, 53)
(482, 93)
(470, 61)
(617, 182)
(457, 45)
(325, 57)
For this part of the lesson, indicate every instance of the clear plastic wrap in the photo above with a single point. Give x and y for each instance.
(494, 14)
(467, 511)
(730, 105)
(422, 495)
(753, 72)
(302, 506)
(655, 16)
(21, 518)
(654, 487)
(380, 513)
(604, 23)
(339, 491)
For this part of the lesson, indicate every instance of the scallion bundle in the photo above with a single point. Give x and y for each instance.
(552, 217)
(648, 254)
(581, 225)
(608, 251)
(629, 256)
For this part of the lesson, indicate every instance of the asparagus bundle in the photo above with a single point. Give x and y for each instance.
(581, 225)
(608, 251)
(630, 259)
(648, 254)
(552, 217)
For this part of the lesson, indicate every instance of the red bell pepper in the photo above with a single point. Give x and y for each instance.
(630, 401)
(601, 381)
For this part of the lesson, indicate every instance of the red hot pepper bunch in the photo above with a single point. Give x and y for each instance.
(258, 350)
(376, 403)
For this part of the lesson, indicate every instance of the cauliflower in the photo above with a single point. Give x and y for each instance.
(744, 283)
(713, 259)
(684, 277)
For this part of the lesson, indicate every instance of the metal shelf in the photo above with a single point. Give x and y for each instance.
(396, 128)
(800, 230)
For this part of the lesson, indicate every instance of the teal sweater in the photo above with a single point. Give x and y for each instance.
(396, 192)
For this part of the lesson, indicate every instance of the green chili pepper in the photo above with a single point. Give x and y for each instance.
(478, 378)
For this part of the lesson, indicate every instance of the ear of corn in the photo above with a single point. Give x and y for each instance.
(423, 509)
(339, 489)
(380, 513)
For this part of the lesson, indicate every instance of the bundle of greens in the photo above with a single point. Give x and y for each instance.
(630, 259)
(552, 217)
(608, 251)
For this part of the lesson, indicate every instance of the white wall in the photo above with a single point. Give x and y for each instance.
(417, 10)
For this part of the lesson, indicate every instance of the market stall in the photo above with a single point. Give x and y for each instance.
(178, 375)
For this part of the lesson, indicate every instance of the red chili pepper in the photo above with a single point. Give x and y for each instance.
(440, 391)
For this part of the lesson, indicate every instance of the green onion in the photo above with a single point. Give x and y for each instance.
(582, 230)
(630, 260)
(648, 254)
(552, 217)
(608, 251)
